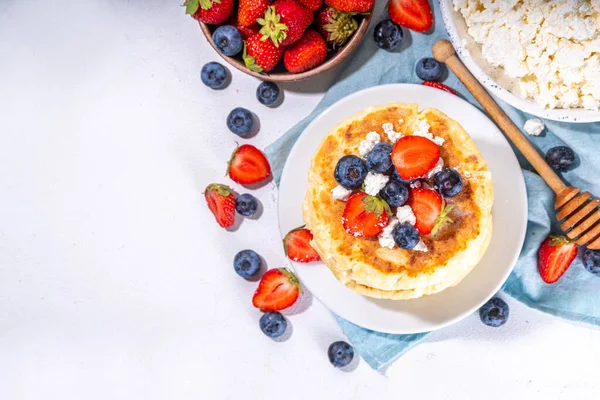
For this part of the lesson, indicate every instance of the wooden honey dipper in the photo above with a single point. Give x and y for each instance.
(577, 212)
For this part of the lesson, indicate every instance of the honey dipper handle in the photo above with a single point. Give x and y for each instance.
(443, 51)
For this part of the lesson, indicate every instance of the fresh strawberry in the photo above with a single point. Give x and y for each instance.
(414, 156)
(427, 206)
(297, 246)
(261, 55)
(221, 202)
(251, 10)
(440, 86)
(209, 11)
(555, 256)
(278, 289)
(248, 165)
(285, 22)
(358, 6)
(307, 53)
(312, 5)
(413, 14)
(365, 215)
(336, 27)
(246, 31)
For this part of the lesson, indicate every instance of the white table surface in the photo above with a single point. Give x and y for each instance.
(115, 282)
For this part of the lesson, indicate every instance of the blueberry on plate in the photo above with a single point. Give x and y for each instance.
(228, 40)
(494, 312)
(379, 159)
(267, 93)
(406, 236)
(273, 324)
(429, 69)
(388, 35)
(246, 205)
(240, 121)
(591, 261)
(340, 354)
(394, 193)
(448, 182)
(247, 263)
(350, 172)
(214, 75)
(560, 157)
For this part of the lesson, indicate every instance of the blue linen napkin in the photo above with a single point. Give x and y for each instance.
(575, 296)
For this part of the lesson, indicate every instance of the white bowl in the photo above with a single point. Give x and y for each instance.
(492, 77)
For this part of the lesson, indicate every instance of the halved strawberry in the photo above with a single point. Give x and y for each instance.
(248, 165)
(221, 202)
(555, 256)
(427, 206)
(413, 14)
(297, 246)
(278, 289)
(440, 86)
(365, 215)
(414, 156)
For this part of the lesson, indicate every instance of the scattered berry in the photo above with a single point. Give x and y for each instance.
(440, 86)
(388, 35)
(336, 27)
(560, 157)
(247, 263)
(306, 53)
(248, 165)
(494, 313)
(379, 158)
(285, 22)
(209, 11)
(350, 172)
(267, 93)
(340, 354)
(356, 6)
(429, 69)
(214, 75)
(555, 256)
(415, 156)
(427, 206)
(261, 55)
(273, 324)
(448, 182)
(406, 236)
(228, 40)
(246, 205)
(297, 246)
(278, 289)
(394, 193)
(221, 202)
(365, 216)
(412, 14)
(251, 10)
(591, 261)
(240, 121)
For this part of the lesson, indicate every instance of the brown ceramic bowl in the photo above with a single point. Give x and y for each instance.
(279, 74)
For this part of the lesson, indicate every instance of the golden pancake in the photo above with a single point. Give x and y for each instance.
(362, 264)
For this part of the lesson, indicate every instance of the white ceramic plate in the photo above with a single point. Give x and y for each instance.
(492, 78)
(430, 312)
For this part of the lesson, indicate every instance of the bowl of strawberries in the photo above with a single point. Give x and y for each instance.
(282, 40)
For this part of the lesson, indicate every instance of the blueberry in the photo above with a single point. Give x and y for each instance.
(388, 35)
(214, 75)
(429, 69)
(448, 182)
(240, 121)
(406, 236)
(394, 193)
(494, 312)
(395, 176)
(560, 157)
(246, 205)
(267, 93)
(591, 261)
(350, 172)
(228, 40)
(340, 354)
(379, 159)
(273, 324)
(247, 263)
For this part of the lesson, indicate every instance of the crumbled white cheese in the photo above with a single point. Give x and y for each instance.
(534, 126)
(438, 167)
(374, 183)
(422, 129)
(421, 246)
(340, 193)
(392, 135)
(367, 145)
(405, 214)
(415, 184)
(385, 237)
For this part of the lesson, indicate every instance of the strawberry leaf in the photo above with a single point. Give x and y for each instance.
(558, 240)
(272, 27)
(251, 62)
(442, 219)
(191, 6)
(376, 205)
(223, 190)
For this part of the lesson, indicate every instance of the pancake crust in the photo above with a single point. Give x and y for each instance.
(361, 263)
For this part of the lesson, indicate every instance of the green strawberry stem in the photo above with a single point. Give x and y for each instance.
(250, 62)
(442, 219)
(272, 27)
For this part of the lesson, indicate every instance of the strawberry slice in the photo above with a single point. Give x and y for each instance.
(365, 215)
(440, 86)
(297, 246)
(427, 206)
(555, 256)
(221, 202)
(248, 165)
(413, 14)
(278, 289)
(414, 156)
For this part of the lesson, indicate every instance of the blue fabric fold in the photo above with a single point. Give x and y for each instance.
(575, 296)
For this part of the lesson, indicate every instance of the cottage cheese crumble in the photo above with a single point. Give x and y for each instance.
(549, 49)
(374, 183)
(421, 246)
(534, 126)
(385, 237)
(340, 193)
(405, 214)
(388, 129)
(367, 145)
(422, 129)
(438, 168)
